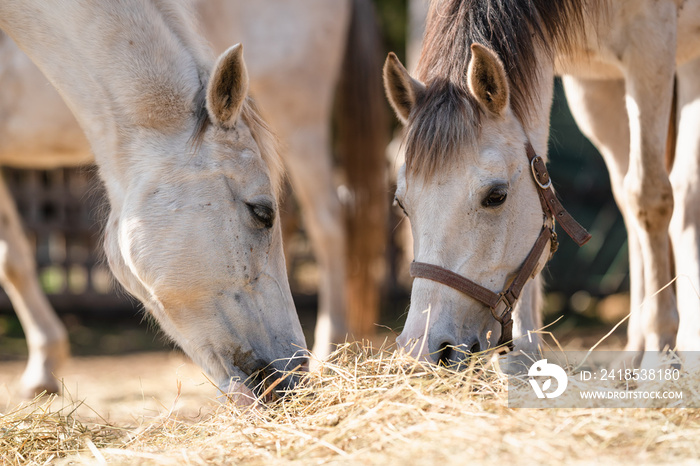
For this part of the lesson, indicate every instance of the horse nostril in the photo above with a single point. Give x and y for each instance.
(476, 347)
(445, 354)
(282, 374)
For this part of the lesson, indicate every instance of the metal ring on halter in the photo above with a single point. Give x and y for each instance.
(534, 174)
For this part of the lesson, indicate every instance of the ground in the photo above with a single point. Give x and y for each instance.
(362, 409)
(143, 383)
(365, 407)
(126, 388)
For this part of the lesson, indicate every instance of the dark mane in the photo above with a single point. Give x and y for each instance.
(515, 30)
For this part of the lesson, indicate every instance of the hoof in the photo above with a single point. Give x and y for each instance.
(31, 391)
(44, 361)
(628, 359)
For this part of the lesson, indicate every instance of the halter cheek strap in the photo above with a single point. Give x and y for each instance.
(550, 204)
(501, 304)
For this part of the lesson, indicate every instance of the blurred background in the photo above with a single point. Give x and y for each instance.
(64, 210)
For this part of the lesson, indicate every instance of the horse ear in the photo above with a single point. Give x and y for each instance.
(487, 81)
(401, 89)
(228, 87)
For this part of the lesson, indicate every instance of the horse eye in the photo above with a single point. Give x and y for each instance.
(495, 197)
(263, 214)
(398, 203)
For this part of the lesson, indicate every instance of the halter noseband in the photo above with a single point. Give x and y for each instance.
(501, 304)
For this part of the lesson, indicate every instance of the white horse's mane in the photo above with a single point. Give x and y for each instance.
(262, 134)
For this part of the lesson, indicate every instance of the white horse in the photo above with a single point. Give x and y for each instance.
(191, 172)
(482, 97)
(294, 55)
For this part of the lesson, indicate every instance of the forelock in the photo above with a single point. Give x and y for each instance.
(443, 125)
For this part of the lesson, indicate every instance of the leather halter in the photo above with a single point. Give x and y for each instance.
(501, 304)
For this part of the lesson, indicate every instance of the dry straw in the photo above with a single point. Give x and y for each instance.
(368, 406)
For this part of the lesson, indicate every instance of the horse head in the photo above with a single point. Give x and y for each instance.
(197, 238)
(473, 207)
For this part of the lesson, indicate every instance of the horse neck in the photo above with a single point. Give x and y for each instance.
(127, 69)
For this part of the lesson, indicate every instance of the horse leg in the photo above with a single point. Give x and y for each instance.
(311, 173)
(685, 236)
(598, 106)
(649, 93)
(527, 317)
(47, 338)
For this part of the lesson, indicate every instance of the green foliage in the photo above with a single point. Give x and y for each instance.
(392, 15)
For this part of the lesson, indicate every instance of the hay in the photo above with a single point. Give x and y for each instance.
(367, 406)
(35, 433)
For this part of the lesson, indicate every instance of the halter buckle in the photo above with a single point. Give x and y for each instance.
(507, 308)
(536, 173)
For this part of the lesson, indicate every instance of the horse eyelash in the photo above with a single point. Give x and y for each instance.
(397, 202)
